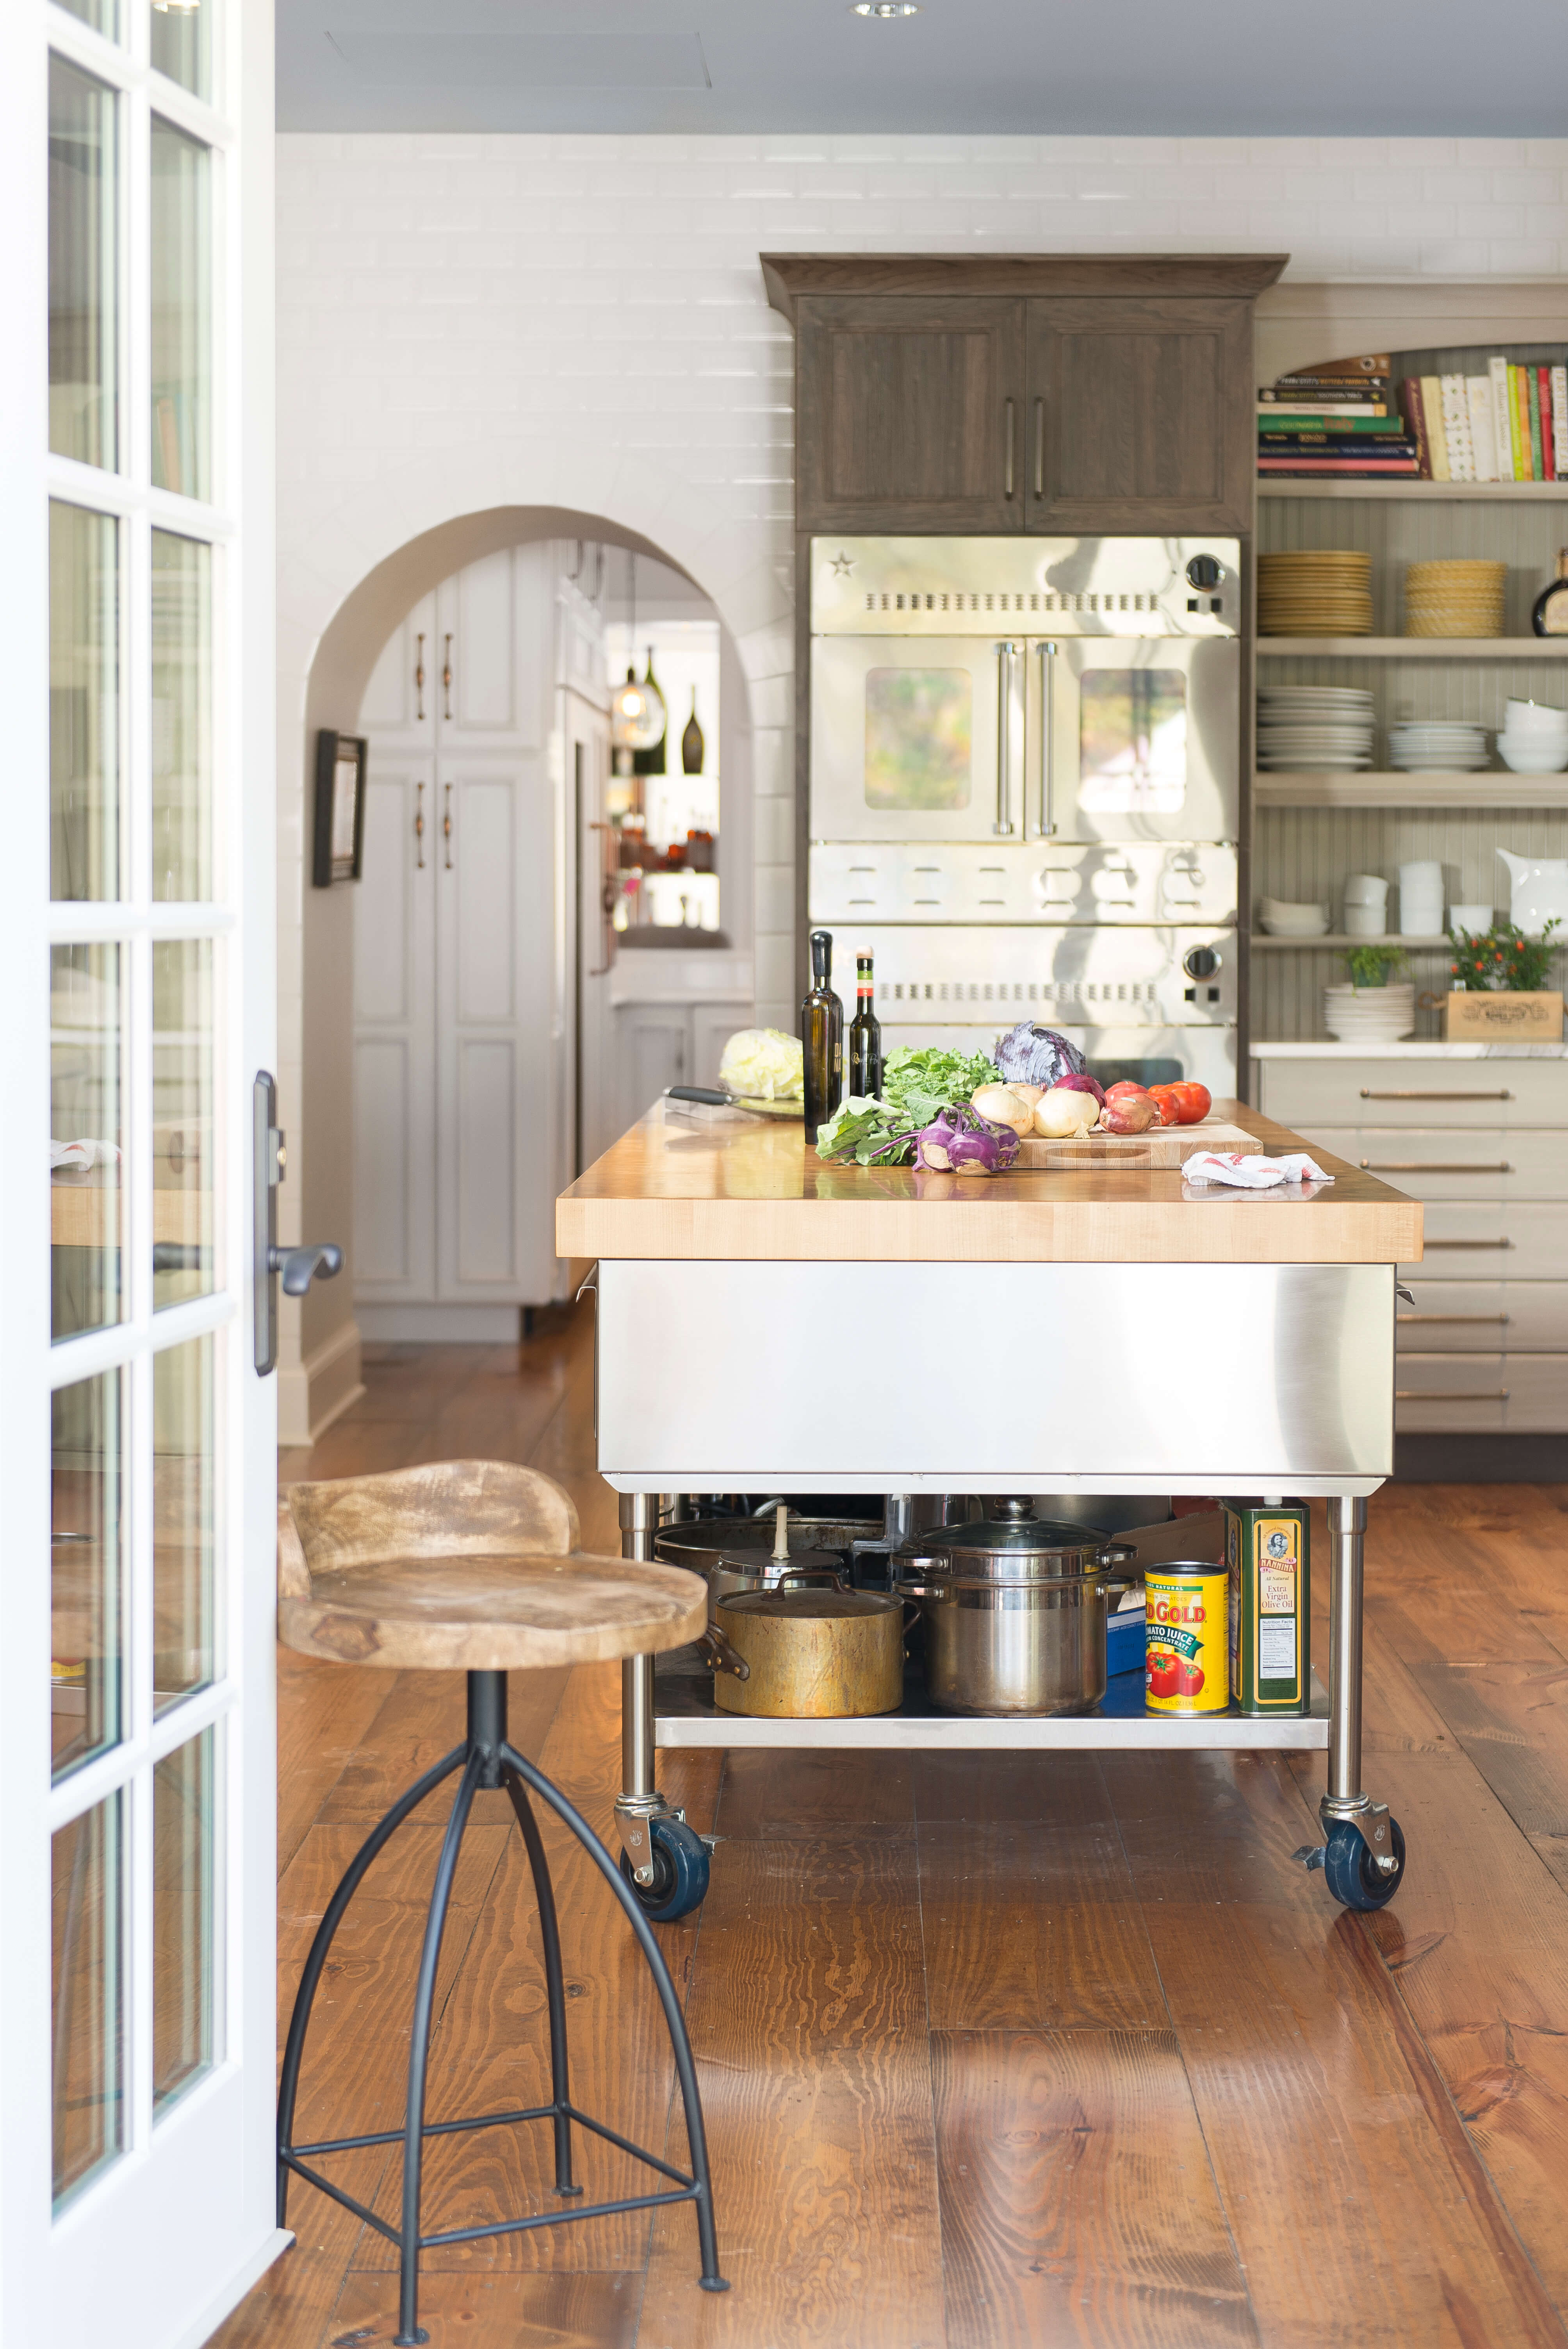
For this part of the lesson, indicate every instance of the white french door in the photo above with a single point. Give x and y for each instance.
(137, 1458)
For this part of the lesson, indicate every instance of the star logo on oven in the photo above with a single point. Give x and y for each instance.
(841, 566)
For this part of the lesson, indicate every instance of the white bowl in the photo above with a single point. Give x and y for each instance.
(1534, 713)
(1365, 921)
(1311, 924)
(1476, 919)
(1365, 889)
(1547, 759)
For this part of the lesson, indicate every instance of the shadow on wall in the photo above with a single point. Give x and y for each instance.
(345, 659)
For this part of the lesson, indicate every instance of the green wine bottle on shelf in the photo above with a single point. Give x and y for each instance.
(863, 1075)
(651, 761)
(1549, 616)
(692, 743)
(821, 1037)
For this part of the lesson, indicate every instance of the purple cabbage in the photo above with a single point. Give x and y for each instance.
(1032, 1055)
(958, 1140)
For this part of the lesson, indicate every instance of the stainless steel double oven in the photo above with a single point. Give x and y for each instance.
(1025, 787)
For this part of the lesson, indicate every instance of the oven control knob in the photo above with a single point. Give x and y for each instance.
(1201, 962)
(1203, 570)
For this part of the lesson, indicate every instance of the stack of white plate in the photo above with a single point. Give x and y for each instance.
(1370, 1015)
(1315, 725)
(1433, 746)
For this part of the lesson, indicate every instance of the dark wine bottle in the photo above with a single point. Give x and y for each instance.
(651, 761)
(1549, 615)
(863, 1075)
(821, 1037)
(692, 742)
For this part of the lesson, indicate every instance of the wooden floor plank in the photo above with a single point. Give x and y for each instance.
(495, 2311)
(808, 2018)
(1325, 2124)
(331, 1714)
(1078, 2204)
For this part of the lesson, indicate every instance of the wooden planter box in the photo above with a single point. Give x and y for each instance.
(1475, 1016)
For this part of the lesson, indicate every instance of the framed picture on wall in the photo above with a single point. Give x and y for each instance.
(339, 807)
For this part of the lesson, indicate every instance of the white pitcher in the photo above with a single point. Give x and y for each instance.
(1538, 893)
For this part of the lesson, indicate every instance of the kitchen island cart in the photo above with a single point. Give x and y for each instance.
(772, 1323)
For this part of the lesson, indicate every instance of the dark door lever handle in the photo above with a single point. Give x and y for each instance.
(301, 1266)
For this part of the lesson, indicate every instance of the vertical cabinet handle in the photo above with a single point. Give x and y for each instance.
(1040, 448)
(419, 678)
(1009, 462)
(446, 827)
(1046, 827)
(447, 680)
(1005, 654)
(420, 826)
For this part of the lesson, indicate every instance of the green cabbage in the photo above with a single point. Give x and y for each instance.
(763, 1064)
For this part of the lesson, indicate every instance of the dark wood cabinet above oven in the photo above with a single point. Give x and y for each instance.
(1077, 393)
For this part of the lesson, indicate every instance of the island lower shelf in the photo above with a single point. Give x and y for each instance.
(685, 1715)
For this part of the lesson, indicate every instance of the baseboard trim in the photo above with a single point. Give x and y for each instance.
(1457, 1459)
(224, 2303)
(441, 1325)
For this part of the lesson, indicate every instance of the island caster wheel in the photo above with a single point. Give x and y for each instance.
(680, 1872)
(1354, 1877)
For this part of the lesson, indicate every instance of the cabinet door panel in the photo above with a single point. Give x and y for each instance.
(1139, 415)
(903, 413)
(395, 1035)
(484, 882)
(651, 1051)
(486, 1135)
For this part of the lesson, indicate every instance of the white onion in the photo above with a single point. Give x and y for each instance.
(1065, 1112)
(1003, 1105)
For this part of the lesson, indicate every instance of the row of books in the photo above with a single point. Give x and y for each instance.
(1342, 421)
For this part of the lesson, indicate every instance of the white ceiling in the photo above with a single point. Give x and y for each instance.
(1189, 68)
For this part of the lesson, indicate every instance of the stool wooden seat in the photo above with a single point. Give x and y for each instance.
(465, 1566)
(473, 1565)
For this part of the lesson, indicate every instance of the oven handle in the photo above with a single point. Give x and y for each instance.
(1045, 822)
(1007, 653)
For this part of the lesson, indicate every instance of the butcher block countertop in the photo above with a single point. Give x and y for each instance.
(751, 1189)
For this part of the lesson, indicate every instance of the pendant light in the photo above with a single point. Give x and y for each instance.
(637, 715)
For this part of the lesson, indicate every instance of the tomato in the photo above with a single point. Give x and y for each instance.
(1193, 1103)
(1125, 1090)
(1190, 1679)
(1164, 1097)
(1160, 1676)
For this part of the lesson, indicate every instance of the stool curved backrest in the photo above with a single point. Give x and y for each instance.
(444, 1509)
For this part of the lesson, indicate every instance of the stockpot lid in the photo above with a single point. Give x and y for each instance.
(1015, 1546)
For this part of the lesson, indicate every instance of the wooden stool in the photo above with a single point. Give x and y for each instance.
(472, 1565)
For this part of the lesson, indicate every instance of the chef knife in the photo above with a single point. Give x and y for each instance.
(714, 1097)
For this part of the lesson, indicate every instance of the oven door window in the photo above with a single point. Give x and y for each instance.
(920, 738)
(1133, 741)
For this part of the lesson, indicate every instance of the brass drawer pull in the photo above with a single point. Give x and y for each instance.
(1468, 1244)
(1433, 1166)
(1466, 1318)
(1443, 1394)
(1009, 460)
(1368, 1094)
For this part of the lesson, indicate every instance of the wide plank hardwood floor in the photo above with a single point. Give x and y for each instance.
(993, 2052)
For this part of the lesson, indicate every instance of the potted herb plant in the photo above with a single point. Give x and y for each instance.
(1376, 1007)
(1498, 986)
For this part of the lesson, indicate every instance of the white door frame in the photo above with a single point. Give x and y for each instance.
(164, 2241)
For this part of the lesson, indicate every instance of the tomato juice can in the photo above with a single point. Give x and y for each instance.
(1186, 1640)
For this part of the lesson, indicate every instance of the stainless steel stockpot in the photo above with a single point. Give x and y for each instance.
(1015, 1611)
(736, 1554)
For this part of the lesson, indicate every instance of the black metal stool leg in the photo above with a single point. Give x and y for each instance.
(408, 2331)
(674, 2020)
(304, 1997)
(555, 1988)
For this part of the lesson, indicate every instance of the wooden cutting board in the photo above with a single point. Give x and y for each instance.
(1162, 1145)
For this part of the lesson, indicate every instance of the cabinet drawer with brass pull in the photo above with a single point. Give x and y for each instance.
(1522, 1241)
(1516, 1394)
(1483, 1316)
(1453, 1163)
(1455, 1096)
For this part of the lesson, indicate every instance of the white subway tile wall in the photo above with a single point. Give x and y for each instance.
(473, 321)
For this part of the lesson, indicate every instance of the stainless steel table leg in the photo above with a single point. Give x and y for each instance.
(639, 1800)
(1346, 1798)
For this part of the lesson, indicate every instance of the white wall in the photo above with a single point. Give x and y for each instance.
(467, 322)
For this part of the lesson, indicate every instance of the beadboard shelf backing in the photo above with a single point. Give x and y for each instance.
(1488, 791)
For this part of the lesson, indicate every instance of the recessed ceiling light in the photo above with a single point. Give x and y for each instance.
(885, 8)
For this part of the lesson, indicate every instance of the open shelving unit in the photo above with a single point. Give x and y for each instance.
(1483, 792)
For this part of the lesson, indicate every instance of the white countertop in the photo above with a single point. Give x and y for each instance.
(1409, 1051)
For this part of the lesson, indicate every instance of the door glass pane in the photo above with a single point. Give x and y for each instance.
(183, 1220)
(181, 1919)
(83, 704)
(184, 1520)
(84, 1582)
(182, 718)
(919, 738)
(88, 2003)
(182, 330)
(85, 1131)
(1133, 741)
(83, 406)
(103, 16)
(182, 42)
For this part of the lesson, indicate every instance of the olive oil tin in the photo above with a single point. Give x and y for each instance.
(1268, 1557)
(1185, 1620)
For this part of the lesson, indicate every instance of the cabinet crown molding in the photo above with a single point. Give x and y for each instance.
(1242, 277)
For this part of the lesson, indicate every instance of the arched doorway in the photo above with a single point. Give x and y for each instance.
(543, 1089)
